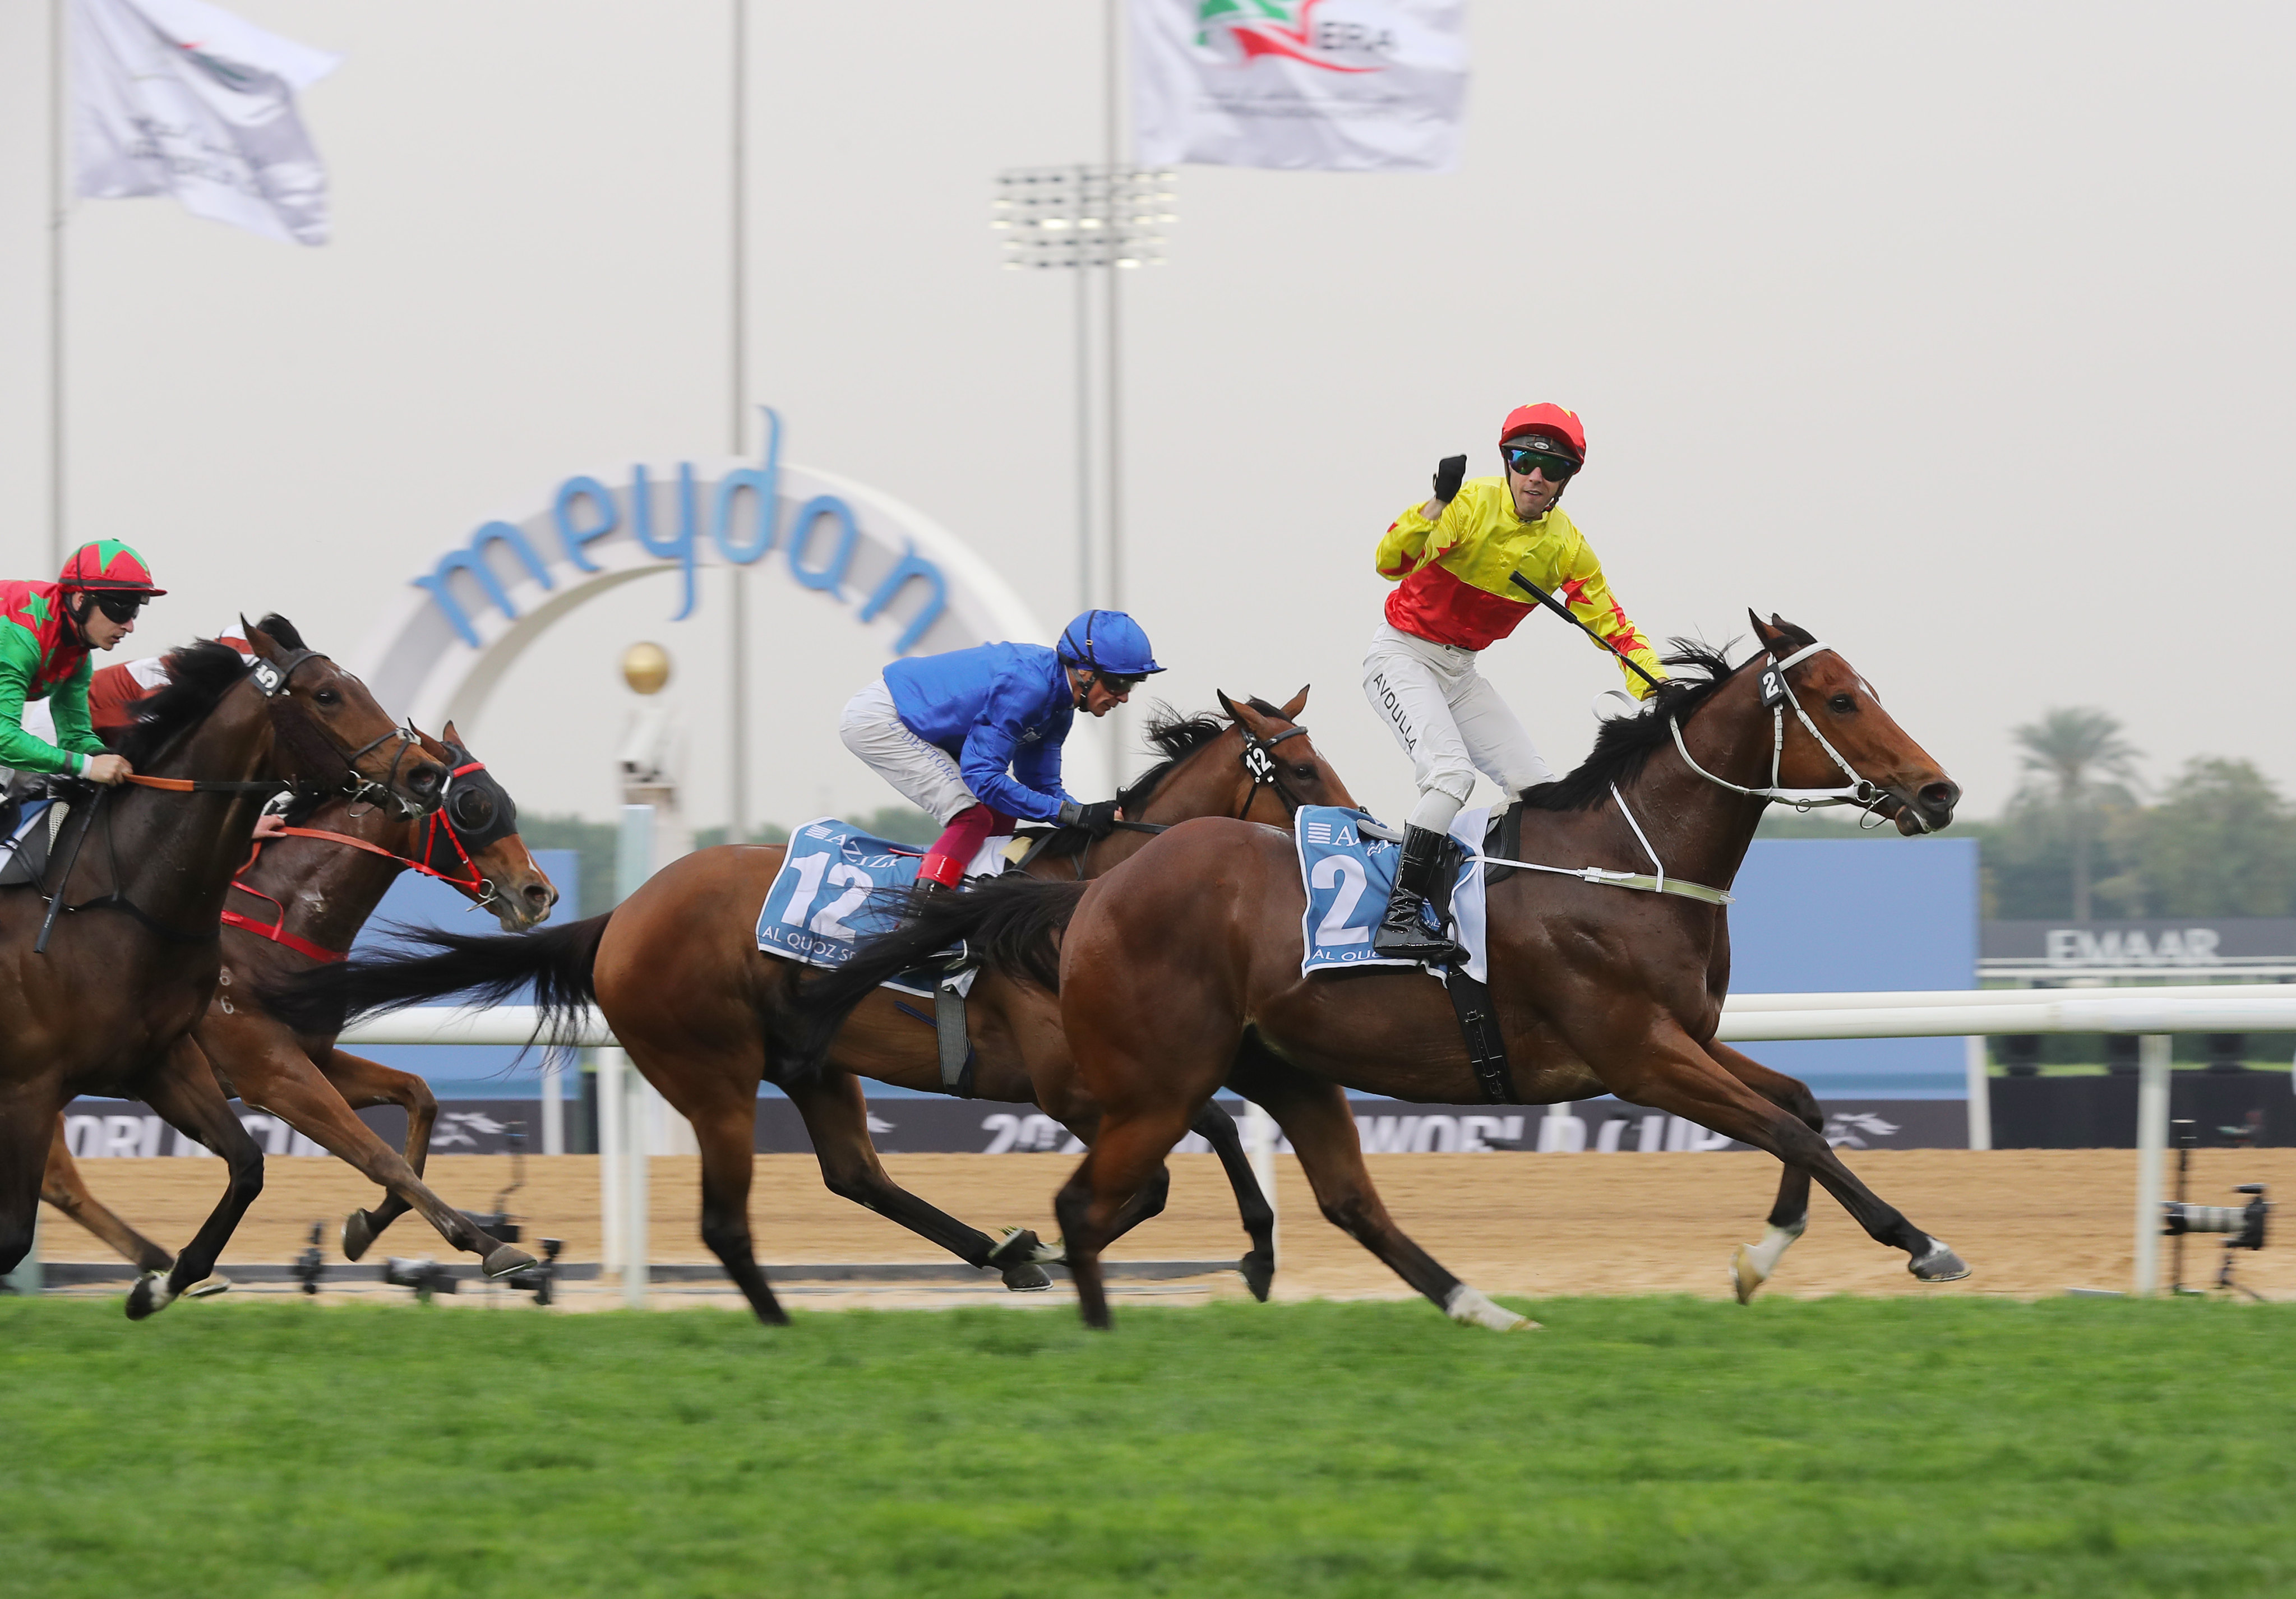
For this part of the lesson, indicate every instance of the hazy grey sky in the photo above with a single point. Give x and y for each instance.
(1959, 333)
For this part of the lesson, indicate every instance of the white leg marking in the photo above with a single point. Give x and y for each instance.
(1469, 1308)
(1752, 1264)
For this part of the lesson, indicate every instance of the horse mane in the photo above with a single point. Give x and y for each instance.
(1625, 743)
(1176, 737)
(199, 674)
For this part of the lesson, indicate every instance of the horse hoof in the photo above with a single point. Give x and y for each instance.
(1028, 1278)
(1940, 1265)
(150, 1296)
(507, 1259)
(209, 1288)
(358, 1235)
(1258, 1270)
(1746, 1275)
(1470, 1308)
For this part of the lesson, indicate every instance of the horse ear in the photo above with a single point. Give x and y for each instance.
(257, 640)
(1244, 716)
(1296, 704)
(448, 733)
(1762, 629)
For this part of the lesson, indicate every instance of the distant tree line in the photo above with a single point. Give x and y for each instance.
(2080, 839)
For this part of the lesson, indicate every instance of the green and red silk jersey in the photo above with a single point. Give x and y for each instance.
(40, 660)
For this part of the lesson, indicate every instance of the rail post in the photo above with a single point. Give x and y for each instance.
(1980, 1091)
(2153, 1053)
(633, 865)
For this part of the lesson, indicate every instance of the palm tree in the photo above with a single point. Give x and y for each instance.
(2080, 752)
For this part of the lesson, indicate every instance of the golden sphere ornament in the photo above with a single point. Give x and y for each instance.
(645, 667)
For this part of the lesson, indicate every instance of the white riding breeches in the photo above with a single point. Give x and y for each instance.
(922, 774)
(1449, 720)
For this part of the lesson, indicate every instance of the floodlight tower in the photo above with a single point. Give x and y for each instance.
(1083, 219)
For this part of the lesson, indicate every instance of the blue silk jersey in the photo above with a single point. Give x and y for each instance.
(1002, 711)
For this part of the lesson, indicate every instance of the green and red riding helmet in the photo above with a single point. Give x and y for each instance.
(108, 567)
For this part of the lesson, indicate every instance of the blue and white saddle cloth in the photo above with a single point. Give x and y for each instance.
(1348, 878)
(838, 885)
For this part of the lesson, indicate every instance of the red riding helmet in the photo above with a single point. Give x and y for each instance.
(108, 567)
(1561, 425)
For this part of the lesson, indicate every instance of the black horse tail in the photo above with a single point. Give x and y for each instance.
(1011, 925)
(559, 962)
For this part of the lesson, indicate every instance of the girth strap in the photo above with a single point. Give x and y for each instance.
(1478, 1025)
(955, 1047)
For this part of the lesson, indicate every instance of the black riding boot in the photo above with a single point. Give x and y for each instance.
(1404, 931)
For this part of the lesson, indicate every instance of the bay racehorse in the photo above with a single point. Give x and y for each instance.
(299, 902)
(706, 1015)
(103, 975)
(1180, 971)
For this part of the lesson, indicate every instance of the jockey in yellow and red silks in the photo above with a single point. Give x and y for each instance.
(46, 631)
(1454, 560)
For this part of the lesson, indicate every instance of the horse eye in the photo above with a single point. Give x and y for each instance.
(327, 696)
(1843, 703)
(1304, 772)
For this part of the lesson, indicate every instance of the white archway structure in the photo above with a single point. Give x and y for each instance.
(439, 651)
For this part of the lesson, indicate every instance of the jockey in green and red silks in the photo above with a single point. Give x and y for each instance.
(46, 631)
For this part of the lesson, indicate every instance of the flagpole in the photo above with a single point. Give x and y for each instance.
(737, 820)
(57, 23)
(1111, 12)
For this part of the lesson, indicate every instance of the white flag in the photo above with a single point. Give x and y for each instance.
(1338, 85)
(181, 97)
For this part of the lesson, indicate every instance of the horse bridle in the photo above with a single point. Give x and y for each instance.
(1777, 695)
(1260, 760)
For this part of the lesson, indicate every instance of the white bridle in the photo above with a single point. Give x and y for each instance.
(1777, 694)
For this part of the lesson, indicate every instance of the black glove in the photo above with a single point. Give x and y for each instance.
(1098, 818)
(1449, 474)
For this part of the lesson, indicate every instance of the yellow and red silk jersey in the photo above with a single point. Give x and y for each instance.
(1451, 576)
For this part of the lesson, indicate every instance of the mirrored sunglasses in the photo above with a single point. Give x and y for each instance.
(1556, 469)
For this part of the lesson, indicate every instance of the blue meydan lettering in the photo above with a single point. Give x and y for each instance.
(585, 510)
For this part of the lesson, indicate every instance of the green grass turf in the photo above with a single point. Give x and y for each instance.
(1673, 1446)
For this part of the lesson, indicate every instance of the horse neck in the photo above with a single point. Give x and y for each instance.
(172, 855)
(327, 891)
(1700, 828)
(1210, 780)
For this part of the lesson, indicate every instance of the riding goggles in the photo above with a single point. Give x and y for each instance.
(1119, 682)
(1523, 462)
(119, 607)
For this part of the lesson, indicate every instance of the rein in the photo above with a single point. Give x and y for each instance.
(479, 888)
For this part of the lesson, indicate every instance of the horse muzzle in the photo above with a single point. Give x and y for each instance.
(1928, 809)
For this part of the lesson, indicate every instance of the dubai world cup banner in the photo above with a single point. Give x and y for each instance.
(1330, 86)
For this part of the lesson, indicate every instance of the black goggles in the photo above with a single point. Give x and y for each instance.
(119, 607)
(1523, 462)
(1117, 682)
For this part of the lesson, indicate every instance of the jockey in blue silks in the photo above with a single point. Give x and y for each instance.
(974, 737)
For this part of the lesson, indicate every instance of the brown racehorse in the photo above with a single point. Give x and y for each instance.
(139, 882)
(706, 1015)
(1180, 971)
(299, 903)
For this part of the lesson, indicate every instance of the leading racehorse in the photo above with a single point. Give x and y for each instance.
(1180, 971)
(705, 1015)
(102, 977)
(299, 902)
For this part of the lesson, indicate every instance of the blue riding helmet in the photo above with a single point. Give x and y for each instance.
(1107, 642)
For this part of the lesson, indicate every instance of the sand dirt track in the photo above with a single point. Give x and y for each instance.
(2031, 1222)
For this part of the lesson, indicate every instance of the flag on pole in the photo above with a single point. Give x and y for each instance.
(1335, 86)
(180, 97)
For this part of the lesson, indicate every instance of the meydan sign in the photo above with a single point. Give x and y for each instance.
(872, 562)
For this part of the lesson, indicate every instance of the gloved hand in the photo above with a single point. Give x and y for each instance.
(1098, 818)
(1449, 474)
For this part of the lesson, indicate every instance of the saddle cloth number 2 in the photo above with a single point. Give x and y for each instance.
(810, 875)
